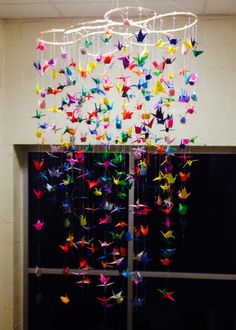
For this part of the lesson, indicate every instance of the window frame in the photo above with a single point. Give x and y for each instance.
(22, 156)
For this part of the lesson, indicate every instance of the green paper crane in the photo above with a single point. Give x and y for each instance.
(38, 114)
(183, 209)
(87, 43)
(106, 39)
(140, 60)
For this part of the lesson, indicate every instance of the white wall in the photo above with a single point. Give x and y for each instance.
(214, 123)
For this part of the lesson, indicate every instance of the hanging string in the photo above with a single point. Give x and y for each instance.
(122, 136)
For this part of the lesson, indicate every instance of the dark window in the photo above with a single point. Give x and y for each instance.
(204, 243)
(46, 312)
(205, 305)
(205, 237)
(62, 208)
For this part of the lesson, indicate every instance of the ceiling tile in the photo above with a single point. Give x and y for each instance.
(98, 8)
(111, 3)
(220, 7)
(194, 6)
(81, 10)
(28, 11)
(22, 2)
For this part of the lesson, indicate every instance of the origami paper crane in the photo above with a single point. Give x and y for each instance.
(38, 225)
(104, 281)
(118, 297)
(167, 295)
(140, 36)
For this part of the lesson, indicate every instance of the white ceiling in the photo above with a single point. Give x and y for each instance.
(97, 8)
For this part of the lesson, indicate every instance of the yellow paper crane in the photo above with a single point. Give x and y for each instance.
(160, 43)
(183, 194)
(158, 88)
(65, 299)
(83, 220)
(168, 234)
